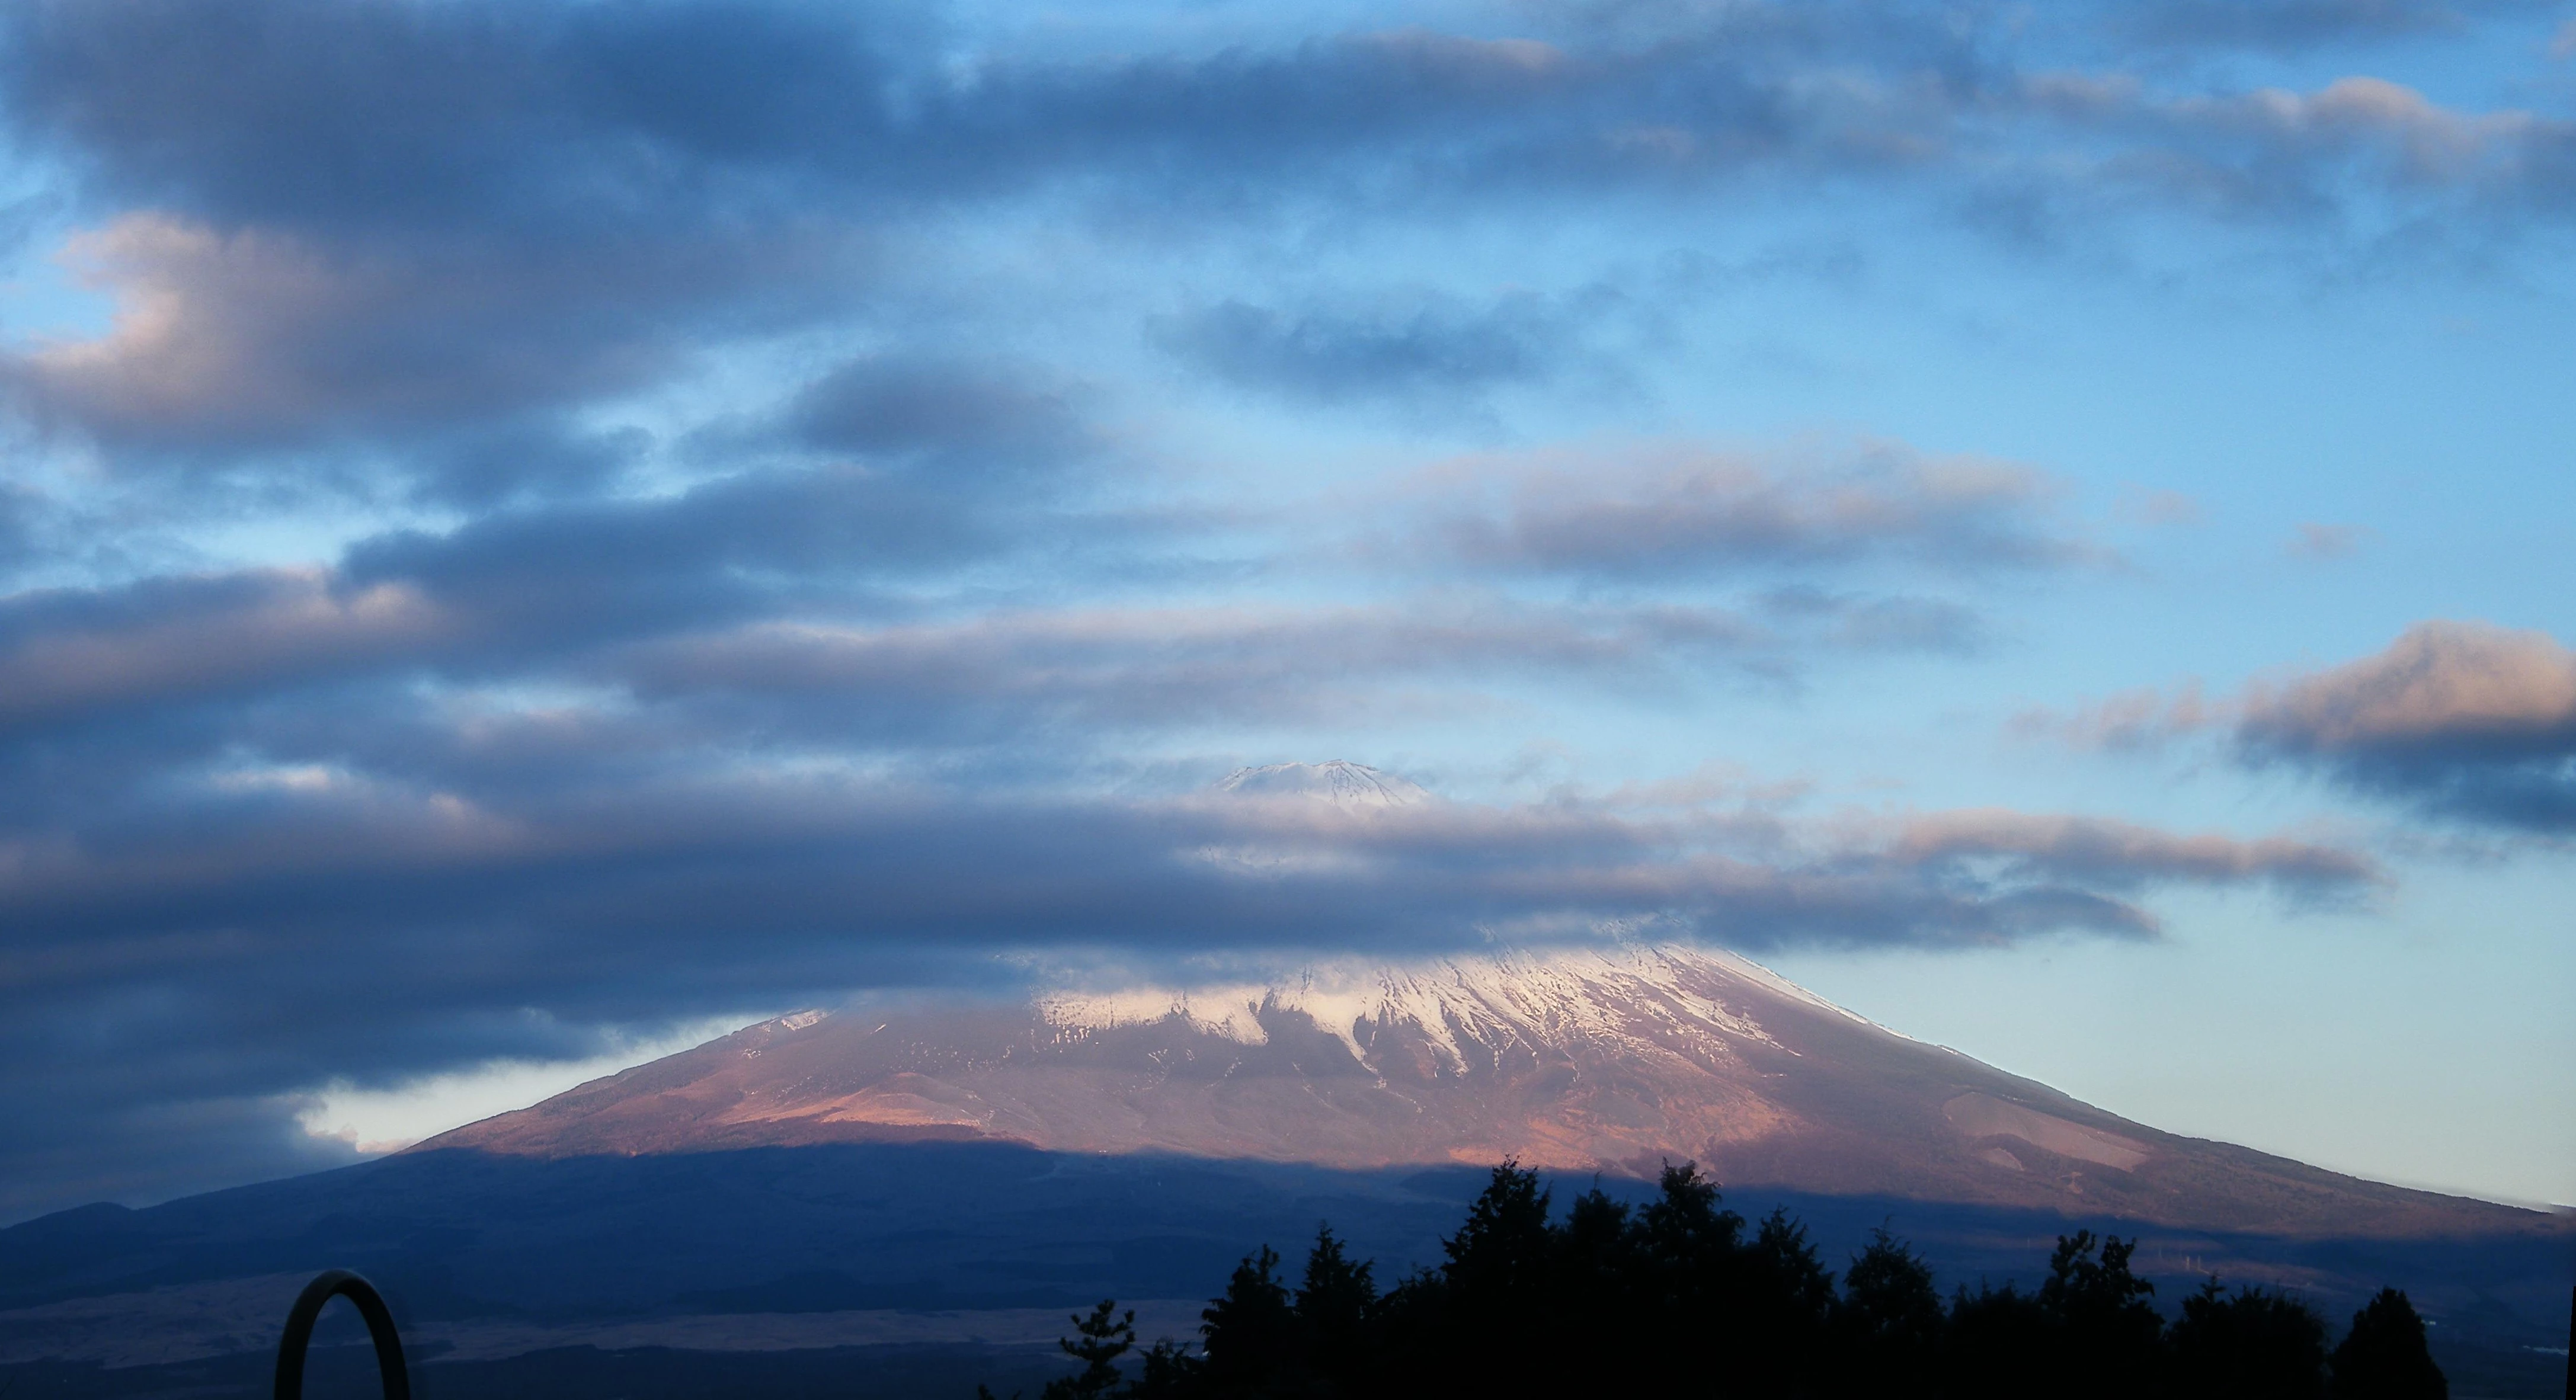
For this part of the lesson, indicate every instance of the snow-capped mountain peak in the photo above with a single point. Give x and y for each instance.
(1337, 781)
(1609, 1058)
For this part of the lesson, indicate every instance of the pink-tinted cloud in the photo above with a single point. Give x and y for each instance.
(2443, 688)
(2130, 720)
(2315, 541)
(173, 640)
(1672, 509)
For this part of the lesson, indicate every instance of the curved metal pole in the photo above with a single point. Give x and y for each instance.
(299, 1333)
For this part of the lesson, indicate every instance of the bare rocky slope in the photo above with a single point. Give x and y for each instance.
(1612, 1061)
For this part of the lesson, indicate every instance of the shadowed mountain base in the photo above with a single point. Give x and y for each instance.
(483, 1253)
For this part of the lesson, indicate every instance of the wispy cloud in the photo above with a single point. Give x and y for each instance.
(2315, 541)
(1676, 510)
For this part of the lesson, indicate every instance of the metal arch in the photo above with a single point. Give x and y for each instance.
(325, 1286)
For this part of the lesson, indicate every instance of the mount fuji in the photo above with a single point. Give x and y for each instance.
(1603, 1059)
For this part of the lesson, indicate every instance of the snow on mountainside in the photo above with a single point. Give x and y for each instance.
(1462, 1009)
(1591, 1059)
(1338, 782)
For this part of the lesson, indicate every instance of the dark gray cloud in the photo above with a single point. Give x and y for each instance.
(1431, 353)
(524, 592)
(326, 219)
(85, 656)
(256, 338)
(330, 218)
(959, 412)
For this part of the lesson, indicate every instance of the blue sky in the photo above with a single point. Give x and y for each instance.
(532, 528)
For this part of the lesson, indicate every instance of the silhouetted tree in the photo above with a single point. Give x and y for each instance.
(1251, 1341)
(1500, 1255)
(1674, 1298)
(1098, 1341)
(1483, 1320)
(1337, 1306)
(1778, 1304)
(2384, 1357)
(2248, 1345)
(1166, 1371)
(1888, 1322)
(2103, 1327)
(1997, 1342)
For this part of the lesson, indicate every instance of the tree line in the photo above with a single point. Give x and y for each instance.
(1680, 1297)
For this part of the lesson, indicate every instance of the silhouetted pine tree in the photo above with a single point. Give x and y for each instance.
(1783, 1294)
(1337, 1314)
(1484, 1320)
(1166, 1371)
(1251, 1332)
(2384, 1357)
(1098, 1341)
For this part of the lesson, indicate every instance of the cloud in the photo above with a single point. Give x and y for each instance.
(2349, 155)
(1681, 511)
(2159, 509)
(69, 656)
(425, 216)
(2468, 719)
(259, 931)
(430, 214)
(786, 594)
(2303, 24)
(2115, 854)
(887, 406)
(2314, 541)
(1433, 351)
(2132, 720)
(1165, 667)
(623, 761)
(2462, 719)
(256, 338)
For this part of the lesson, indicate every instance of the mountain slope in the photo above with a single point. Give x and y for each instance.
(1582, 1061)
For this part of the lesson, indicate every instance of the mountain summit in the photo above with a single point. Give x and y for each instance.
(1341, 783)
(1610, 1060)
